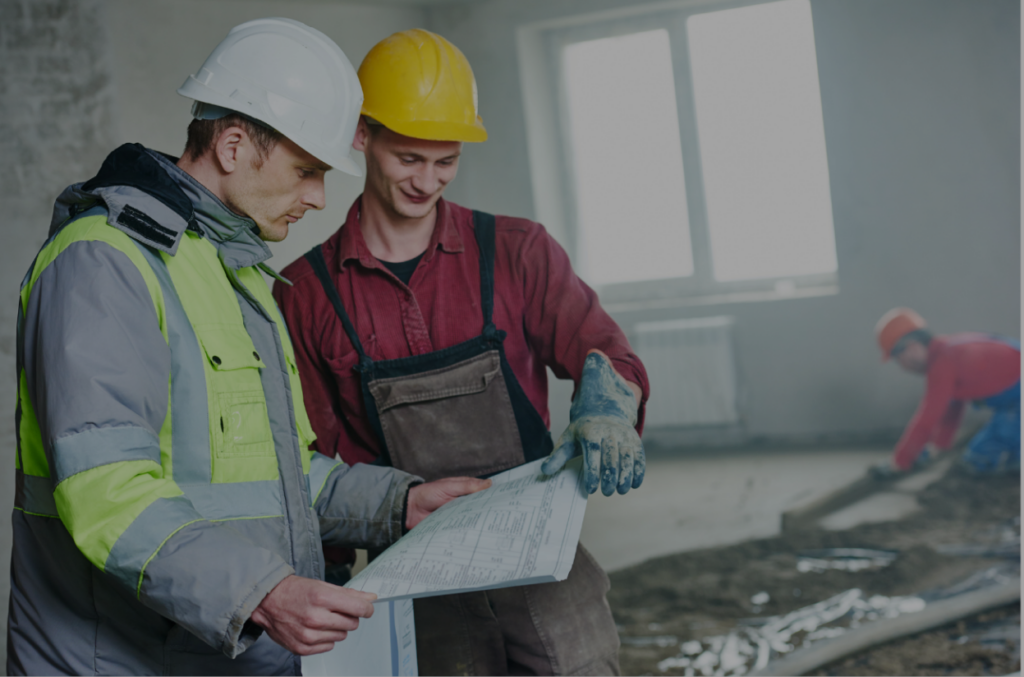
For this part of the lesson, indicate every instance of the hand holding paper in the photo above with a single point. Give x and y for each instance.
(307, 616)
(426, 498)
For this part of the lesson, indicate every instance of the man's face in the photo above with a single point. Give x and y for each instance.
(407, 175)
(277, 193)
(914, 357)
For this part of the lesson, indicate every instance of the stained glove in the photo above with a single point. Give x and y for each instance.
(601, 427)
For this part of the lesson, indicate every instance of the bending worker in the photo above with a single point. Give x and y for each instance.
(959, 368)
(422, 332)
(169, 513)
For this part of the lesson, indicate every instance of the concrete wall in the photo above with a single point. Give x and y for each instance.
(56, 103)
(921, 103)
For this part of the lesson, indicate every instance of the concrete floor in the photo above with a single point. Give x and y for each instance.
(695, 500)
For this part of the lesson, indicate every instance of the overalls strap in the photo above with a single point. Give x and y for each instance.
(315, 256)
(483, 227)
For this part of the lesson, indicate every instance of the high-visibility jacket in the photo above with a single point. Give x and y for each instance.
(164, 479)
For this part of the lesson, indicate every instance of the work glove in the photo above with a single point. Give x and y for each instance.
(601, 427)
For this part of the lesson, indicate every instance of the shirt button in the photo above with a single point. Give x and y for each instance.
(216, 360)
(256, 355)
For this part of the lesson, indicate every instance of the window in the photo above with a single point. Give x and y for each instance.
(762, 141)
(691, 147)
(627, 160)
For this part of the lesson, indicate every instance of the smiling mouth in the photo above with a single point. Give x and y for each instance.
(418, 199)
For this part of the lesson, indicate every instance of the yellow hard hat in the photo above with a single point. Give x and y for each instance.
(418, 84)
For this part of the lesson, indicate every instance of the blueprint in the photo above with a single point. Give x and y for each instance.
(522, 530)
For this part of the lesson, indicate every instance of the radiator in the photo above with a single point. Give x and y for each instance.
(691, 367)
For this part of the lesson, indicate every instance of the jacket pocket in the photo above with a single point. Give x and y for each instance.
(241, 440)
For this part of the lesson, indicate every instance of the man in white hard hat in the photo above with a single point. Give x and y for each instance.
(169, 512)
(423, 331)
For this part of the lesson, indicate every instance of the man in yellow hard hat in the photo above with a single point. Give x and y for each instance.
(423, 332)
(959, 368)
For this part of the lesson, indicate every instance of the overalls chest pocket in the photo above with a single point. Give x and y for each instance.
(239, 425)
(456, 420)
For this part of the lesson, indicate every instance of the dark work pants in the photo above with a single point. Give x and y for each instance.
(563, 628)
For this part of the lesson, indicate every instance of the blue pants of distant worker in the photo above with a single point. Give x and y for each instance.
(997, 447)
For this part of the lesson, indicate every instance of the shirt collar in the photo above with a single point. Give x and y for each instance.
(236, 237)
(352, 246)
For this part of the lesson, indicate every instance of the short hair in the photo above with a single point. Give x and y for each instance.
(202, 134)
(922, 336)
(373, 125)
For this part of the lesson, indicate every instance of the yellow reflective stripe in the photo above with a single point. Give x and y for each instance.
(36, 514)
(98, 505)
(33, 456)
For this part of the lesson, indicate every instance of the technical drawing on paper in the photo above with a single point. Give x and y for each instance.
(522, 530)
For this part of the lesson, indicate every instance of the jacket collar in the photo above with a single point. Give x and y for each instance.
(352, 245)
(154, 202)
(236, 237)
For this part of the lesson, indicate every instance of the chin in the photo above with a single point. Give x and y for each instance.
(417, 211)
(273, 233)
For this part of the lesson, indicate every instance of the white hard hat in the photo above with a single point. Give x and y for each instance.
(287, 76)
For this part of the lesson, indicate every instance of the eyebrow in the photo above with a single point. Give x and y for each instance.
(420, 156)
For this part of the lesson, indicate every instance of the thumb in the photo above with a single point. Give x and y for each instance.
(460, 486)
(560, 456)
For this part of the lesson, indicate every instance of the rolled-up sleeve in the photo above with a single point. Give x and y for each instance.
(563, 317)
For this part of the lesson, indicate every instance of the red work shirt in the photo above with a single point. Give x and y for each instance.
(552, 318)
(961, 367)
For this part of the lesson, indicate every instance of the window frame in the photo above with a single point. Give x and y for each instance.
(542, 71)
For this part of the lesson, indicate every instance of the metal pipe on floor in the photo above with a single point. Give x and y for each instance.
(934, 615)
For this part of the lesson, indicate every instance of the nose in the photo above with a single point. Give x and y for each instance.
(426, 180)
(315, 197)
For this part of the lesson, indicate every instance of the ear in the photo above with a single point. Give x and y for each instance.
(362, 135)
(231, 148)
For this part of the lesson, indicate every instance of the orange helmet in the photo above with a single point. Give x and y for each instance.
(893, 326)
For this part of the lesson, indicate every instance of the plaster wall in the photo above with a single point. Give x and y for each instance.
(921, 104)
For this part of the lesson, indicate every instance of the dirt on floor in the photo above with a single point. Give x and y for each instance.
(664, 604)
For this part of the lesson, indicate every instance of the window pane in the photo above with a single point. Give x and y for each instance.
(627, 161)
(762, 141)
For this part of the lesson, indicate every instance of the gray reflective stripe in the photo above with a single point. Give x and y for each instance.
(236, 499)
(303, 528)
(320, 468)
(145, 535)
(34, 494)
(94, 447)
(190, 429)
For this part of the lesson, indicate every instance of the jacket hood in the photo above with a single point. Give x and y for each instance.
(149, 198)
